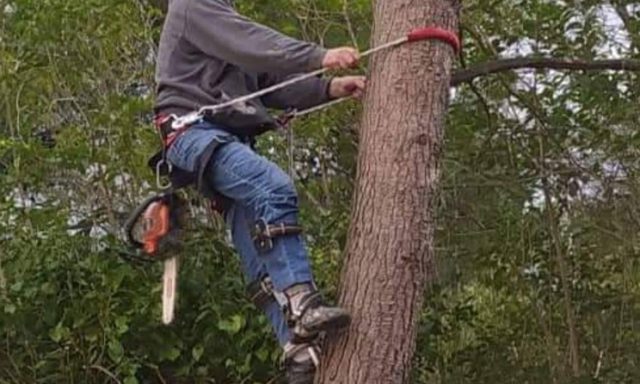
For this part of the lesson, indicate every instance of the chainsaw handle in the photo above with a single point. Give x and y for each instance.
(133, 219)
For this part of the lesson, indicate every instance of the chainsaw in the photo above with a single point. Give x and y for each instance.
(154, 230)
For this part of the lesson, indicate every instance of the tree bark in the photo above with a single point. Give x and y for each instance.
(390, 249)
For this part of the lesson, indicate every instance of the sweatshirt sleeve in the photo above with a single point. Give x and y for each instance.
(217, 29)
(305, 94)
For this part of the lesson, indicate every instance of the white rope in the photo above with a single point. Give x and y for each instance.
(212, 109)
(262, 92)
(321, 106)
(290, 153)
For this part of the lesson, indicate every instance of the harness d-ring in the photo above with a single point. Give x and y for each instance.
(159, 165)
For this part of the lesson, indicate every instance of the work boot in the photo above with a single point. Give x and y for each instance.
(309, 314)
(300, 363)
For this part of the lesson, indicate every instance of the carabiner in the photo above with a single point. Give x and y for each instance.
(159, 174)
(186, 120)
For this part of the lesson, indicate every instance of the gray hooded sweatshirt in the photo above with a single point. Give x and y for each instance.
(209, 54)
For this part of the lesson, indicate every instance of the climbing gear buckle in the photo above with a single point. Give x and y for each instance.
(264, 234)
(262, 291)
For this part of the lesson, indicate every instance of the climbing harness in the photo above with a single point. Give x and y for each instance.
(154, 228)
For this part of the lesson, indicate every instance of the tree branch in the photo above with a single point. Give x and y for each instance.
(503, 65)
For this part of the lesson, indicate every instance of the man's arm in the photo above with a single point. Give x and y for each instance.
(218, 30)
(310, 92)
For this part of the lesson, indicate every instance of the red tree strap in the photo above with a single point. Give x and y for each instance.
(435, 33)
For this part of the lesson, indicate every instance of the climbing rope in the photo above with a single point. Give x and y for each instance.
(429, 33)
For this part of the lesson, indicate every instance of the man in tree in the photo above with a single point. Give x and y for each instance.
(210, 54)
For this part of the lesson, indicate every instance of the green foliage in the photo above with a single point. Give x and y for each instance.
(540, 172)
(79, 74)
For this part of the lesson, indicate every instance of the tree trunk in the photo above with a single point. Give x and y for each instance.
(390, 249)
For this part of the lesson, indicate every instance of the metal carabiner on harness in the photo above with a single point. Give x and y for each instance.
(188, 119)
(159, 166)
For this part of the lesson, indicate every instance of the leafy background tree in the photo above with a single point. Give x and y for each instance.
(538, 219)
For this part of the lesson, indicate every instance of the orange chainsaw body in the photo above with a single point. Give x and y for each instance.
(155, 227)
(157, 223)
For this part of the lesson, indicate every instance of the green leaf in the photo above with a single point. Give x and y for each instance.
(10, 308)
(197, 352)
(122, 325)
(262, 354)
(115, 351)
(170, 353)
(233, 325)
(173, 354)
(59, 333)
(16, 287)
(130, 380)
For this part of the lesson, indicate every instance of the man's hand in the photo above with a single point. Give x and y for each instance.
(341, 58)
(347, 86)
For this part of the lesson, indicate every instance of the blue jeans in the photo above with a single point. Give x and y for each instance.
(260, 190)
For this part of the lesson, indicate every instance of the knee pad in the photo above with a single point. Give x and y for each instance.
(264, 233)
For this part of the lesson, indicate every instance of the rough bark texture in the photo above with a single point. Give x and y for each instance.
(390, 249)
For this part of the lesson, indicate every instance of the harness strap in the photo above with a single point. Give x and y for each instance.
(261, 292)
(311, 347)
(264, 234)
(168, 133)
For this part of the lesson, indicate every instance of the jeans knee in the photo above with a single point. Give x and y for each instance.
(280, 202)
(284, 189)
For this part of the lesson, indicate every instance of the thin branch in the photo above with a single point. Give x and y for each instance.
(345, 13)
(3, 284)
(598, 365)
(106, 372)
(503, 65)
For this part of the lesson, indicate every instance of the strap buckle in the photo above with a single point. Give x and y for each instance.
(267, 285)
(264, 233)
(262, 237)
